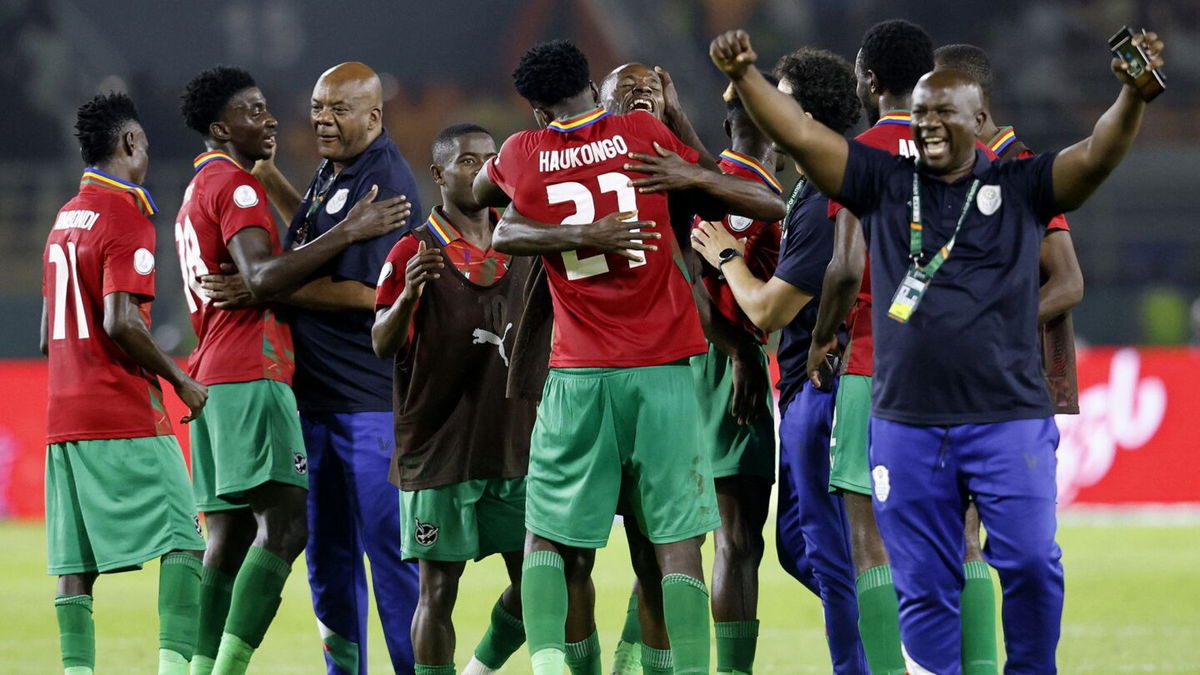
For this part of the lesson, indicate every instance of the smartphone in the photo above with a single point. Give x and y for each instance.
(827, 370)
(1149, 83)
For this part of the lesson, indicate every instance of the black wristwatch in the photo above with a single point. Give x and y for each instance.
(726, 255)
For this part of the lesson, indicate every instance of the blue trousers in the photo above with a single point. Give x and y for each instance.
(922, 477)
(353, 509)
(813, 533)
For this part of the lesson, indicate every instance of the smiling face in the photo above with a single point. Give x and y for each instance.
(633, 86)
(250, 125)
(946, 117)
(346, 112)
(458, 165)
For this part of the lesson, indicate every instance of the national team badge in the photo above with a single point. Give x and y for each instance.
(337, 201)
(300, 463)
(245, 196)
(739, 223)
(143, 261)
(883, 483)
(196, 521)
(988, 199)
(427, 533)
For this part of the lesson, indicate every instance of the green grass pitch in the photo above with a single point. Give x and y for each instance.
(1133, 606)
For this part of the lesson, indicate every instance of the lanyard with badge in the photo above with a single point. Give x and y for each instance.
(916, 280)
(320, 190)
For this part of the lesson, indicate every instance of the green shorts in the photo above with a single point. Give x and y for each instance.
(463, 521)
(247, 434)
(735, 449)
(848, 465)
(112, 505)
(597, 427)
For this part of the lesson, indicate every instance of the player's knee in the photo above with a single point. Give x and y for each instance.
(438, 593)
(285, 535)
(577, 564)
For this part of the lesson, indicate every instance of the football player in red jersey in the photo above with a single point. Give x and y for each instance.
(250, 470)
(116, 483)
(619, 401)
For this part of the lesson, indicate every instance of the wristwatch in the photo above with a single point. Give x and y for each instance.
(726, 255)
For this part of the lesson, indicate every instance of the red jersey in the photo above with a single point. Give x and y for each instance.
(233, 345)
(609, 311)
(1006, 146)
(482, 268)
(102, 242)
(761, 237)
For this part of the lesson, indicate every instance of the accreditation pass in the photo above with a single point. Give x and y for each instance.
(908, 296)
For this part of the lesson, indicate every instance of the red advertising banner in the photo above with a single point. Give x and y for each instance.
(1133, 442)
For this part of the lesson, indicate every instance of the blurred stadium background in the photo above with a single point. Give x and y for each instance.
(1129, 466)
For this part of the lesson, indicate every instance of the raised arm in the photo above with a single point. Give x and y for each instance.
(1063, 286)
(677, 120)
(268, 275)
(283, 196)
(488, 193)
(843, 277)
(516, 234)
(124, 325)
(1081, 168)
(820, 151)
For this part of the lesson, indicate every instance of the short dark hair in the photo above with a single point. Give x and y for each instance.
(824, 85)
(98, 125)
(899, 53)
(969, 59)
(206, 96)
(446, 137)
(550, 72)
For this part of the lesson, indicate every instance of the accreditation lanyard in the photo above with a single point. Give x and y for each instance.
(916, 279)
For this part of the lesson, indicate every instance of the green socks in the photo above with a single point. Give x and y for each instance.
(656, 661)
(736, 643)
(627, 660)
(504, 636)
(256, 598)
(544, 604)
(685, 606)
(216, 590)
(879, 621)
(978, 620)
(76, 633)
(583, 657)
(178, 609)
(447, 669)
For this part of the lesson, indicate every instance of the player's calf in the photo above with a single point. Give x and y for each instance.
(432, 626)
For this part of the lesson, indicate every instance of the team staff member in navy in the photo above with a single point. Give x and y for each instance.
(958, 403)
(344, 391)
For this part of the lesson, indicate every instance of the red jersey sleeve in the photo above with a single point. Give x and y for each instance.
(391, 277)
(504, 168)
(1058, 222)
(238, 203)
(129, 254)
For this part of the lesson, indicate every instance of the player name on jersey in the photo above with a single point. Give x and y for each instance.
(76, 220)
(588, 153)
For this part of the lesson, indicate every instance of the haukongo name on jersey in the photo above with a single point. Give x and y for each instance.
(234, 345)
(101, 243)
(609, 311)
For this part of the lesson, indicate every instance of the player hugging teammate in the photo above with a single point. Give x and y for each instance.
(574, 358)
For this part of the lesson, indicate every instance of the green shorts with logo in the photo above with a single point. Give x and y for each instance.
(598, 427)
(735, 449)
(463, 521)
(112, 505)
(247, 434)
(848, 466)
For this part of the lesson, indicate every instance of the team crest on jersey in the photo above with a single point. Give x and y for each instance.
(245, 196)
(988, 199)
(426, 534)
(739, 223)
(337, 201)
(882, 481)
(384, 273)
(143, 261)
(300, 463)
(196, 522)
